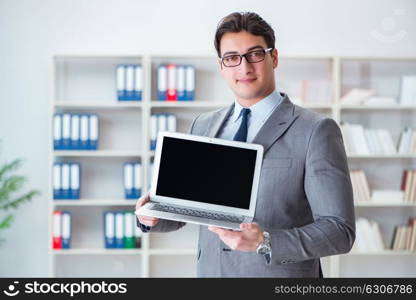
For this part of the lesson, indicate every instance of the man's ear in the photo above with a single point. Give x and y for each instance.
(219, 63)
(275, 58)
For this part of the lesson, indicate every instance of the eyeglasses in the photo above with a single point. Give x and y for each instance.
(255, 56)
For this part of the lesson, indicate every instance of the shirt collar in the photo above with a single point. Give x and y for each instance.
(263, 107)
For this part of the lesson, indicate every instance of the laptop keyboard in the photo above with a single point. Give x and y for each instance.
(198, 213)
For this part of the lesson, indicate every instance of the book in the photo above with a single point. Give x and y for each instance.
(408, 90)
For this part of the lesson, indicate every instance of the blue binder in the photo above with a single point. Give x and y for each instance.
(66, 131)
(75, 132)
(138, 83)
(190, 83)
(121, 82)
(65, 182)
(129, 95)
(128, 179)
(162, 82)
(153, 131)
(66, 229)
(109, 230)
(93, 132)
(119, 229)
(180, 88)
(57, 181)
(75, 180)
(84, 132)
(57, 132)
(137, 180)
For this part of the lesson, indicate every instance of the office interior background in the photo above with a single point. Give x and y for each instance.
(352, 60)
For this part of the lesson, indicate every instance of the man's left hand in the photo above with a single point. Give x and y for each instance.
(247, 239)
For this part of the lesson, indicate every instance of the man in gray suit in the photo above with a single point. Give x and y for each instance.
(305, 206)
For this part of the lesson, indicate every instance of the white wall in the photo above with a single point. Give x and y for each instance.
(31, 31)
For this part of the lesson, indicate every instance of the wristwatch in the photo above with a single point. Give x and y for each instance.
(265, 247)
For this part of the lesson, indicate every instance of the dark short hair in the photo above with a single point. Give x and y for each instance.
(244, 21)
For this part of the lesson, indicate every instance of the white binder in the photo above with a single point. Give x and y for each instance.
(66, 230)
(57, 131)
(121, 82)
(57, 181)
(75, 131)
(129, 82)
(171, 120)
(84, 132)
(93, 136)
(137, 179)
(66, 131)
(65, 181)
(75, 180)
(119, 230)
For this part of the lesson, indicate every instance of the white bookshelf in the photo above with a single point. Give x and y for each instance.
(86, 84)
(97, 153)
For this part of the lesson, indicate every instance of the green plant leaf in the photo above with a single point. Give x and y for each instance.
(6, 168)
(15, 203)
(6, 222)
(10, 185)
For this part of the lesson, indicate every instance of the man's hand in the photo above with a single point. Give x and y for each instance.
(247, 239)
(148, 221)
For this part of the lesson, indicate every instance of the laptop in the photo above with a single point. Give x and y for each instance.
(203, 180)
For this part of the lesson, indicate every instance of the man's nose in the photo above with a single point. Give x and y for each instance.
(245, 66)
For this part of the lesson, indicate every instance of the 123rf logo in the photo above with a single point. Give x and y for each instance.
(70, 289)
(11, 290)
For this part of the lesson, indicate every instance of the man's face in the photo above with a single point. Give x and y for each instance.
(249, 81)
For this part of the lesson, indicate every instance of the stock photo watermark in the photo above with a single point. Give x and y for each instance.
(389, 30)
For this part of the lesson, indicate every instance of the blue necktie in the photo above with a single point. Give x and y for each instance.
(241, 134)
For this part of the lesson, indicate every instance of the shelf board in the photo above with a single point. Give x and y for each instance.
(385, 252)
(381, 156)
(172, 251)
(97, 105)
(314, 106)
(384, 204)
(97, 153)
(190, 104)
(84, 55)
(97, 251)
(95, 202)
(379, 107)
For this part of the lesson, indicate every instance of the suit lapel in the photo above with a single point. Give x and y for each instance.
(218, 121)
(280, 120)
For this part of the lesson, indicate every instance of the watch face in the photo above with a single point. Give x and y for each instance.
(263, 250)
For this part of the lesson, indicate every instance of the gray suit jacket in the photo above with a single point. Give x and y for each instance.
(304, 200)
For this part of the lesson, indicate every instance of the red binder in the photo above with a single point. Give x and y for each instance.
(57, 230)
(171, 91)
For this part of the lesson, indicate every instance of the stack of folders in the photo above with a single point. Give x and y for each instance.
(367, 141)
(129, 82)
(408, 90)
(368, 236)
(121, 231)
(404, 236)
(175, 82)
(75, 131)
(316, 91)
(66, 180)
(407, 142)
(61, 231)
(408, 185)
(360, 187)
(132, 180)
(161, 122)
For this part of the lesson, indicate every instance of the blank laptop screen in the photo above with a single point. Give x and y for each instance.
(204, 172)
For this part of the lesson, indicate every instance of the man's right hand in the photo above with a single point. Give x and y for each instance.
(148, 221)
